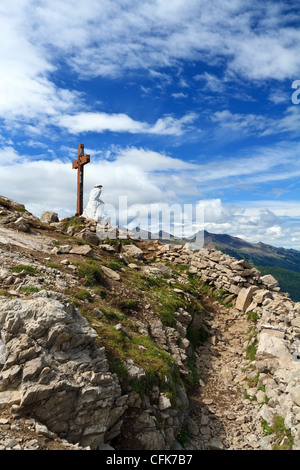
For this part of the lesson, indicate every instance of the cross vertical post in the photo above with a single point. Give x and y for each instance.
(79, 164)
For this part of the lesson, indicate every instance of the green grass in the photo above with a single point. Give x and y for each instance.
(20, 208)
(53, 265)
(91, 272)
(158, 365)
(252, 317)
(24, 267)
(114, 265)
(252, 346)
(251, 350)
(184, 436)
(113, 314)
(11, 206)
(84, 294)
(168, 301)
(5, 293)
(74, 221)
(283, 439)
(162, 297)
(30, 289)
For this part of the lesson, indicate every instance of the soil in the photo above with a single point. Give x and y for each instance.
(226, 418)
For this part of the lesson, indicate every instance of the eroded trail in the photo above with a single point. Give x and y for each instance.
(226, 418)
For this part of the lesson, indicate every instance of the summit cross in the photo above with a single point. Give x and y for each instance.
(79, 164)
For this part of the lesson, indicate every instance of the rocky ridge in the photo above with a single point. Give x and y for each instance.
(57, 374)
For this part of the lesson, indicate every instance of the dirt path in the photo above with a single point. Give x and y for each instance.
(226, 419)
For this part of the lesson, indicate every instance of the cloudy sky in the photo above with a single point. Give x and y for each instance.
(177, 102)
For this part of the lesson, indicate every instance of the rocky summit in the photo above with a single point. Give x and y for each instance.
(117, 343)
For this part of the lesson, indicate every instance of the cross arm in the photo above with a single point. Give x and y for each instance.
(82, 160)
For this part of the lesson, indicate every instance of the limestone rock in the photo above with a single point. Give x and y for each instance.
(65, 380)
(62, 249)
(240, 265)
(21, 224)
(9, 398)
(244, 298)
(89, 237)
(134, 372)
(107, 247)
(111, 273)
(262, 294)
(272, 346)
(164, 402)
(295, 394)
(48, 217)
(269, 281)
(133, 251)
(84, 250)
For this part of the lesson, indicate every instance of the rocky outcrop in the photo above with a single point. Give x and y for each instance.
(278, 361)
(55, 372)
(219, 270)
(48, 217)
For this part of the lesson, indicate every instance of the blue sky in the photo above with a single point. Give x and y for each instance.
(176, 102)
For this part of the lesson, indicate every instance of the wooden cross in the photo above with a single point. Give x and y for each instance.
(79, 164)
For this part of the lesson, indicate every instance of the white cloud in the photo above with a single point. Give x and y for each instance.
(211, 82)
(179, 95)
(260, 125)
(9, 156)
(111, 38)
(149, 160)
(26, 89)
(256, 165)
(101, 122)
(169, 125)
(255, 222)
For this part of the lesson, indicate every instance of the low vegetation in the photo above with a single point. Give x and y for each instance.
(91, 272)
(159, 367)
(282, 437)
(23, 267)
(30, 289)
